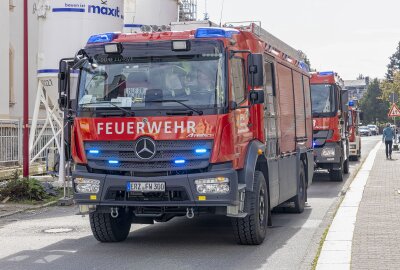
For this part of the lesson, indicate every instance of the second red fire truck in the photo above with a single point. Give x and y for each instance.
(330, 124)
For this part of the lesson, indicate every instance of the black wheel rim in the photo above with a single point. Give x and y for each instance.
(261, 210)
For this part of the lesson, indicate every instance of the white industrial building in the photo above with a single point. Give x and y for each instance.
(57, 29)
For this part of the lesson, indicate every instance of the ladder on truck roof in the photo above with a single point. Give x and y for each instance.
(276, 46)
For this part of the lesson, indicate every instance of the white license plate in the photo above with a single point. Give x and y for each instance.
(146, 187)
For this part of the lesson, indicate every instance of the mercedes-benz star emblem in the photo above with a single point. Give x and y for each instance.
(145, 148)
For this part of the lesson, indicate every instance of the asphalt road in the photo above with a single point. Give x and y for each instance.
(202, 243)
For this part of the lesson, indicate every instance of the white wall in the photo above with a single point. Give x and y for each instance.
(4, 60)
(17, 42)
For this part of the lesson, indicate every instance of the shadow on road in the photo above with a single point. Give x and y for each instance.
(203, 243)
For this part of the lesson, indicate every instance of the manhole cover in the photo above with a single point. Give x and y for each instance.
(58, 230)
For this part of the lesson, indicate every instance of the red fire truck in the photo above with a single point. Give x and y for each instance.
(208, 121)
(354, 135)
(330, 120)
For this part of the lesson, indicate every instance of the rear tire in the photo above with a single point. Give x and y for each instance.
(252, 229)
(108, 229)
(301, 197)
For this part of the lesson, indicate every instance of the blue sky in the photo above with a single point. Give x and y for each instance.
(348, 36)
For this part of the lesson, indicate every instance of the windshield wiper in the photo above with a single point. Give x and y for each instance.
(129, 113)
(176, 101)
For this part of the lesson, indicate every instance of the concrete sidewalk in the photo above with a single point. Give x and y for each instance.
(365, 233)
(376, 240)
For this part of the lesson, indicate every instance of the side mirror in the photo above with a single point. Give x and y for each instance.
(63, 82)
(255, 68)
(256, 96)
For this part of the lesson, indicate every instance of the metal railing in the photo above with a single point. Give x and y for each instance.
(11, 143)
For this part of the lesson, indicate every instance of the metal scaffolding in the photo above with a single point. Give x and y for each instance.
(187, 10)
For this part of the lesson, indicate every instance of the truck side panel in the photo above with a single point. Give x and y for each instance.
(286, 107)
(299, 105)
(307, 101)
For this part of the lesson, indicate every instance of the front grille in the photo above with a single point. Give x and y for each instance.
(171, 194)
(163, 161)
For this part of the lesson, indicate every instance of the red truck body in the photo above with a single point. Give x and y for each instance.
(330, 123)
(244, 145)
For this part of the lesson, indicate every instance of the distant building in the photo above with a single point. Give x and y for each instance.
(356, 88)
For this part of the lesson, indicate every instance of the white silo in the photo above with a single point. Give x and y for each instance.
(64, 28)
(149, 12)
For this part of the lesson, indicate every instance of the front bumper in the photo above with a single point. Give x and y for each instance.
(114, 184)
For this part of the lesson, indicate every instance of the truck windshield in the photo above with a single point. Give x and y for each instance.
(151, 83)
(323, 100)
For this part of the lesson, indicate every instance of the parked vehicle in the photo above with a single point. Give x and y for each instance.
(210, 121)
(330, 119)
(374, 129)
(353, 130)
(365, 131)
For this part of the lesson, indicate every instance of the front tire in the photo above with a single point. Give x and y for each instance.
(252, 229)
(337, 175)
(108, 229)
(346, 166)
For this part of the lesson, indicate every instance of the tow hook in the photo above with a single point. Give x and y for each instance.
(114, 212)
(189, 213)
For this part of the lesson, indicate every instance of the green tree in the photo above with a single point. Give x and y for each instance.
(391, 86)
(372, 104)
(394, 64)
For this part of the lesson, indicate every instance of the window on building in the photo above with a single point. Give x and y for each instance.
(11, 96)
(11, 5)
(238, 80)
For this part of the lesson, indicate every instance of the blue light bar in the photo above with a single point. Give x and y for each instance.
(326, 73)
(200, 151)
(214, 32)
(113, 162)
(351, 103)
(180, 161)
(102, 38)
(93, 151)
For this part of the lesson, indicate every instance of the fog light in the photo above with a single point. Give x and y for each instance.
(218, 185)
(328, 152)
(83, 185)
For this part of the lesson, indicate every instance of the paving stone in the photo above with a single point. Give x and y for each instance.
(376, 240)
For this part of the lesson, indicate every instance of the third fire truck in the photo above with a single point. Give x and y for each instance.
(354, 134)
(330, 121)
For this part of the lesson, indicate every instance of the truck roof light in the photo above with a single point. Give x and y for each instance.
(102, 38)
(351, 103)
(214, 32)
(180, 45)
(94, 151)
(113, 48)
(326, 73)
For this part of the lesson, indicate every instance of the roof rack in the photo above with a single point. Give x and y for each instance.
(274, 44)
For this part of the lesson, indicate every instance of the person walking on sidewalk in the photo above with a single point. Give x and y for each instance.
(387, 137)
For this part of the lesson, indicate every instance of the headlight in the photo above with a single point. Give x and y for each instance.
(83, 185)
(353, 146)
(328, 152)
(218, 185)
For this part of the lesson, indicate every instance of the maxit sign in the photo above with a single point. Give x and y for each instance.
(111, 8)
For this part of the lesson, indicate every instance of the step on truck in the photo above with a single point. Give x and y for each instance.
(355, 116)
(330, 124)
(205, 121)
